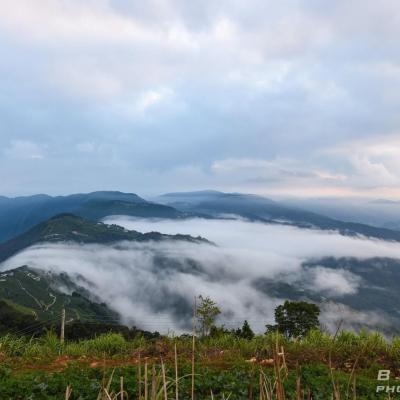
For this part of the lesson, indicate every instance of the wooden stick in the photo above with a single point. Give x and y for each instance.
(153, 383)
(68, 392)
(62, 334)
(336, 393)
(106, 393)
(146, 389)
(164, 380)
(193, 345)
(176, 375)
(140, 378)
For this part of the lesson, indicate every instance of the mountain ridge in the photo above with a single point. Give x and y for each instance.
(258, 208)
(19, 214)
(68, 227)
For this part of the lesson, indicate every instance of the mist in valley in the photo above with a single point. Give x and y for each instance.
(152, 285)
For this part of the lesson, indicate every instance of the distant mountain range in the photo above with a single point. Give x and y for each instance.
(257, 208)
(33, 220)
(17, 215)
(380, 212)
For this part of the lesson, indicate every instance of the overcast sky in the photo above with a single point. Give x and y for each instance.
(272, 97)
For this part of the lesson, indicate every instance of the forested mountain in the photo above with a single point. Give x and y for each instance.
(19, 214)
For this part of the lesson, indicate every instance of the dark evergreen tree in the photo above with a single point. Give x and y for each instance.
(246, 331)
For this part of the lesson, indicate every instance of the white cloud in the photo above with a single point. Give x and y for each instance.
(373, 162)
(335, 315)
(135, 280)
(333, 282)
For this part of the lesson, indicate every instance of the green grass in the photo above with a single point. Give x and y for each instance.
(346, 346)
(225, 364)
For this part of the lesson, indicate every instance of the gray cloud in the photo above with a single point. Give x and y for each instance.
(163, 93)
(335, 315)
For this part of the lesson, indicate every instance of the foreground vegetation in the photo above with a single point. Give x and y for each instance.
(294, 359)
(271, 366)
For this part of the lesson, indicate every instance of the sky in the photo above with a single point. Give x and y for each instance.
(288, 98)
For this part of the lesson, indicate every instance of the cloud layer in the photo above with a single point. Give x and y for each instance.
(263, 96)
(153, 284)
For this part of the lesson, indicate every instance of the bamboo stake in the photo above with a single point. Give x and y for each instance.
(153, 383)
(164, 380)
(62, 333)
(268, 395)
(298, 388)
(336, 393)
(280, 394)
(352, 374)
(146, 388)
(193, 345)
(140, 378)
(282, 353)
(106, 393)
(68, 392)
(176, 374)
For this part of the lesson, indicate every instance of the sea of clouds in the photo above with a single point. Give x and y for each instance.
(153, 284)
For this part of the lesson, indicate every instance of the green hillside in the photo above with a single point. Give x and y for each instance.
(42, 295)
(68, 227)
(39, 295)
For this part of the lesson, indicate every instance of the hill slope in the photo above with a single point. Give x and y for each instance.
(69, 227)
(44, 294)
(39, 294)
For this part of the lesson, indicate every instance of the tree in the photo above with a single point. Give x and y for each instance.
(245, 332)
(295, 318)
(218, 331)
(206, 312)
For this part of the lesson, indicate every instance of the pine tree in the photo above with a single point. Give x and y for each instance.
(246, 331)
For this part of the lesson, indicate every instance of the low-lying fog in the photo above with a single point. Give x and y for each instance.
(153, 284)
